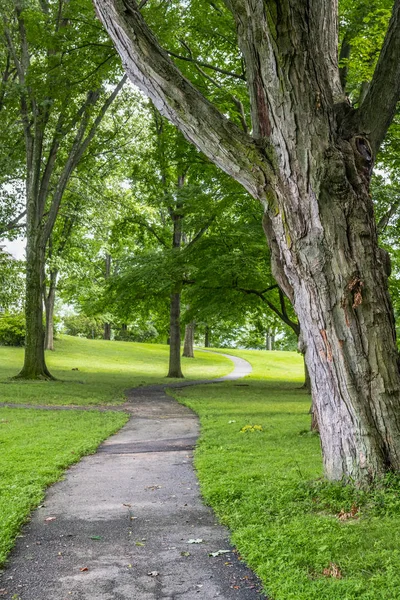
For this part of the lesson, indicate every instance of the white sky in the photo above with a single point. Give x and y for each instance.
(16, 247)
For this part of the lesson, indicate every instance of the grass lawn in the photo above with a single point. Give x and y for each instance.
(36, 446)
(267, 486)
(106, 369)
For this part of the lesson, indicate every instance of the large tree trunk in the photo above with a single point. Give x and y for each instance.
(188, 350)
(308, 161)
(49, 303)
(175, 337)
(34, 360)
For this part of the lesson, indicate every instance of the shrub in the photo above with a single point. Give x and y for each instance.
(82, 326)
(12, 329)
(137, 333)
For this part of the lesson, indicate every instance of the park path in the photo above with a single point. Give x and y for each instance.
(123, 522)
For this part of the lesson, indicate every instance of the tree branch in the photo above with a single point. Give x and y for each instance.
(78, 148)
(152, 70)
(14, 224)
(282, 314)
(236, 102)
(206, 65)
(378, 108)
(384, 220)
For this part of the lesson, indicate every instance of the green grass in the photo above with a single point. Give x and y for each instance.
(35, 448)
(106, 370)
(267, 486)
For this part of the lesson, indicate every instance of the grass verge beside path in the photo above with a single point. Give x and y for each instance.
(106, 370)
(35, 448)
(307, 539)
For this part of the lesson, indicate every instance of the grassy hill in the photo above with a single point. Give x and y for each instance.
(106, 370)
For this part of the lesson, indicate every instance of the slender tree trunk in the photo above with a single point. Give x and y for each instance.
(188, 350)
(207, 334)
(49, 302)
(107, 272)
(34, 360)
(175, 337)
(269, 340)
(107, 331)
(175, 369)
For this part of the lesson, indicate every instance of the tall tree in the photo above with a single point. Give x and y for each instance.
(308, 160)
(62, 100)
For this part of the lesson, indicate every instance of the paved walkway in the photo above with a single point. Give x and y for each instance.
(128, 523)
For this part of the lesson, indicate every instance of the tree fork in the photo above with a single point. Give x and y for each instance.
(310, 168)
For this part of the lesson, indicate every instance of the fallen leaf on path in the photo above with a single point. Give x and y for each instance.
(153, 573)
(128, 505)
(198, 541)
(96, 537)
(218, 553)
(84, 569)
(153, 487)
(48, 519)
(3, 592)
(185, 553)
(139, 544)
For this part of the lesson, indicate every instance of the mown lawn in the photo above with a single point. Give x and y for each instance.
(36, 446)
(106, 370)
(267, 486)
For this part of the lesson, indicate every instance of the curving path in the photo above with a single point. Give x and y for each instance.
(124, 516)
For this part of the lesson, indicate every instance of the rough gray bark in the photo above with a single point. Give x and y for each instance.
(309, 163)
(188, 350)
